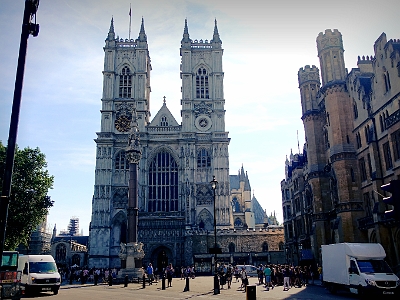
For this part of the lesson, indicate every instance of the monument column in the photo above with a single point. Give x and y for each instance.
(132, 252)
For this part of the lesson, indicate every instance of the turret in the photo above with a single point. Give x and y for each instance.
(309, 84)
(216, 41)
(110, 40)
(185, 42)
(330, 53)
(111, 33)
(142, 38)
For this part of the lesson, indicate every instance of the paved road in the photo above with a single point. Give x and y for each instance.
(200, 288)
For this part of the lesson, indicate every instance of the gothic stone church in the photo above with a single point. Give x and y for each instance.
(176, 208)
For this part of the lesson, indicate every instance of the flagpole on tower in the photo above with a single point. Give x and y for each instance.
(130, 20)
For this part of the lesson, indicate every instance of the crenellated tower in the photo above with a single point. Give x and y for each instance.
(345, 198)
(314, 121)
(203, 126)
(126, 85)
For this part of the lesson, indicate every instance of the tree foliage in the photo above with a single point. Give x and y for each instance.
(29, 202)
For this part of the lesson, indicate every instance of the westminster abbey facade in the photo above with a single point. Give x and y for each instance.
(176, 201)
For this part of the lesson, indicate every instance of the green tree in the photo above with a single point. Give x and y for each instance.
(29, 202)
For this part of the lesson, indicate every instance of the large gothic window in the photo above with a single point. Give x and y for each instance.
(203, 159)
(236, 205)
(163, 183)
(121, 163)
(61, 253)
(202, 84)
(125, 83)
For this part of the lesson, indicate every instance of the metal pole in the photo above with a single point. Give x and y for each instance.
(31, 7)
(216, 281)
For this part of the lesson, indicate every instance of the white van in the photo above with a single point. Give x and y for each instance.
(358, 267)
(250, 270)
(39, 274)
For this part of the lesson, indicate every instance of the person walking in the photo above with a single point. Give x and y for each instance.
(150, 273)
(96, 276)
(245, 280)
(267, 274)
(286, 277)
(169, 271)
(229, 276)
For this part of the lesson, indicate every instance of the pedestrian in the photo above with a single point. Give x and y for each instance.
(260, 274)
(286, 277)
(245, 280)
(183, 271)
(267, 274)
(169, 271)
(150, 273)
(236, 273)
(106, 273)
(229, 276)
(96, 276)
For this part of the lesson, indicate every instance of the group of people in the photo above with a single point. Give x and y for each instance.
(84, 275)
(285, 275)
(270, 276)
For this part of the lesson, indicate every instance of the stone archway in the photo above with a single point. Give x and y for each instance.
(161, 257)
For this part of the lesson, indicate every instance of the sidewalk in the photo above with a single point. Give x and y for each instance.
(201, 287)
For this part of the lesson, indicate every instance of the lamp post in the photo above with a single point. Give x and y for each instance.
(28, 28)
(214, 183)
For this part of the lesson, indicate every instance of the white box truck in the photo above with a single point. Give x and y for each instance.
(358, 267)
(39, 274)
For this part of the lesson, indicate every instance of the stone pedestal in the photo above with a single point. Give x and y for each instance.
(132, 254)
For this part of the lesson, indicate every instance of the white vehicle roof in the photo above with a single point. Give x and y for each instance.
(364, 250)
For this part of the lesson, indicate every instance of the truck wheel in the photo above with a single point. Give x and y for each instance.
(55, 292)
(360, 292)
(332, 288)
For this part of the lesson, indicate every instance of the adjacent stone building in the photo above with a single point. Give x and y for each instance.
(331, 192)
(176, 201)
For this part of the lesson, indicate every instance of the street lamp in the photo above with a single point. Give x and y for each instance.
(214, 184)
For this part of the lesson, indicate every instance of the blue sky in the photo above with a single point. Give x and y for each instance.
(265, 43)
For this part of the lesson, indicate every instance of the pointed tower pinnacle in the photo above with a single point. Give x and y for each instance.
(111, 33)
(186, 38)
(111, 26)
(216, 39)
(142, 34)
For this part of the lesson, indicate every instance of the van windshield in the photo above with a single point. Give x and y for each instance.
(9, 261)
(373, 266)
(42, 267)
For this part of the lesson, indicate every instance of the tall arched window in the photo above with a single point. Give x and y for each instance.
(61, 252)
(203, 159)
(163, 183)
(125, 83)
(355, 110)
(265, 247)
(236, 205)
(231, 247)
(281, 246)
(121, 163)
(202, 84)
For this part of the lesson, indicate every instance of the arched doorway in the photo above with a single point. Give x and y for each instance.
(162, 260)
(161, 257)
